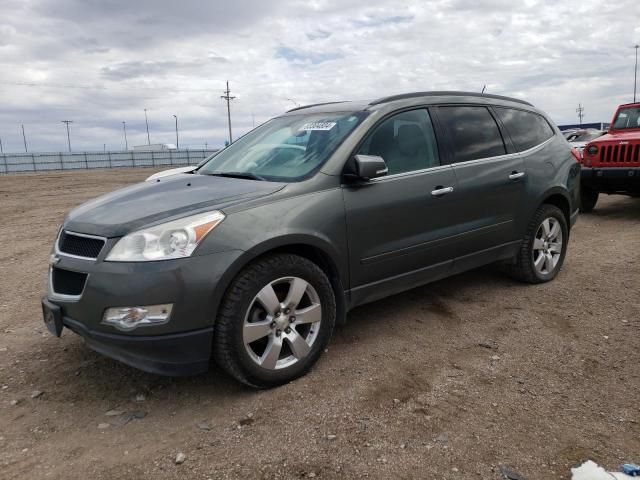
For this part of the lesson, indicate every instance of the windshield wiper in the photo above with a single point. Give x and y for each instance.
(249, 175)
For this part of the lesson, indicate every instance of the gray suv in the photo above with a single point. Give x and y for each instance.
(253, 258)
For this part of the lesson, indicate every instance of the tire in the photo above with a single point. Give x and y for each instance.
(526, 268)
(264, 301)
(588, 199)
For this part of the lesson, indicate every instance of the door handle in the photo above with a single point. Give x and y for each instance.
(516, 175)
(440, 191)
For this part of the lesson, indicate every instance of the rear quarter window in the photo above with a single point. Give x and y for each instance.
(526, 129)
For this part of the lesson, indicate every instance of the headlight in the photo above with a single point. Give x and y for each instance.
(175, 239)
(592, 149)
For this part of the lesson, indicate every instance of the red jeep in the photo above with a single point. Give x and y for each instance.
(611, 163)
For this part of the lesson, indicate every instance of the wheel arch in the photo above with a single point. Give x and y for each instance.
(310, 248)
(559, 198)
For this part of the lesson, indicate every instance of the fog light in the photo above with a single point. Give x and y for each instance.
(128, 318)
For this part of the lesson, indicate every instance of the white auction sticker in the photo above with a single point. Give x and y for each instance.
(318, 126)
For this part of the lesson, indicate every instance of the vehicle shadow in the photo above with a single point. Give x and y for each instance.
(617, 207)
(432, 298)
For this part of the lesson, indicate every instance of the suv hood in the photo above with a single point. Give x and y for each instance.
(618, 137)
(131, 208)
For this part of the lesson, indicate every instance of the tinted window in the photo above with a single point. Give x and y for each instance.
(473, 131)
(526, 129)
(406, 142)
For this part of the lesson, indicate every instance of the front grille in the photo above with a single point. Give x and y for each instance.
(80, 246)
(625, 154)
(66, 282)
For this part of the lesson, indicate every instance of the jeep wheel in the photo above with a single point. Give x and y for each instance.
(588, 199)
(543, 248)
(275, 321)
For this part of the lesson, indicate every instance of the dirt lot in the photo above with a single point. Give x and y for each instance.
(448, 381)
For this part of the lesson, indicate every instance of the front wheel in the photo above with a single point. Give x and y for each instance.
(275, 320)
(543, 248)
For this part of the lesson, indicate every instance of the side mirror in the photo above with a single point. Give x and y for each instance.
(370, 166)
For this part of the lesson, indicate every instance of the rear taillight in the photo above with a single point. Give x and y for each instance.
(576, 153)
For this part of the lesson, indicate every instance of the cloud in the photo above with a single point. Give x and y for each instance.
(298, 56)
(318, 34)
(376, 21)
(101, 62)
(154, 69)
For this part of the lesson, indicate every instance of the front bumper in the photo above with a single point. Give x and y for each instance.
(611, 179)
(192, 285)
(177, 354)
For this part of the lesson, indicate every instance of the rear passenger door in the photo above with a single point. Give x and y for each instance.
(398, 225)
(491, 182)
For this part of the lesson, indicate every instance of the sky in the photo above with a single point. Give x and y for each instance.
(102, 62)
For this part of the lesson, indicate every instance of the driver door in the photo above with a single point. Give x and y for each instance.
(398, 226)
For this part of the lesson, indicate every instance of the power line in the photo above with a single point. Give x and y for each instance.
(635, 74)
(177, 144)
(147, 122)
(580, 111)
(24, 138)
(227, 96)
(67, 122)
(124, 127)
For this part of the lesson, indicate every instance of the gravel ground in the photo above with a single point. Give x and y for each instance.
(451, 380)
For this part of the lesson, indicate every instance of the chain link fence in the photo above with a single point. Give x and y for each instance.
(36, 162)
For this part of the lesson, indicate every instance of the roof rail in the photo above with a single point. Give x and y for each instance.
(445, 93)
(314, 105)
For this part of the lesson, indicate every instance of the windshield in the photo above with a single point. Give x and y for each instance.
(285, 148)
(627, 118)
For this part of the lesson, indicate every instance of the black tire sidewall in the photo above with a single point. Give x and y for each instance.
(260, 277)
(588, 199)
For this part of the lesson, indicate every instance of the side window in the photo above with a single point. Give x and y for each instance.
(406, 141)
(474, 133)
(526, 129)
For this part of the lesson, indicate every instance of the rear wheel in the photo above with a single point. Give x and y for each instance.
(544, 247)
(588, 199)
(275, 321)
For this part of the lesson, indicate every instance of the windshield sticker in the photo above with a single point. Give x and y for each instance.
(317, 126)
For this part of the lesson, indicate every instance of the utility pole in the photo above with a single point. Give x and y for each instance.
(124, 128)
(580, 111)
(146, 120)
(177, 144)
(228, 98)
(67, 122)
(1, 150)
(635, 74)
(24, 138)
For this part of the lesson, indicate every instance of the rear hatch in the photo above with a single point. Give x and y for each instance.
(613, 150)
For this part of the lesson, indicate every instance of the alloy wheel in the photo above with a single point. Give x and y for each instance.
(547, 246)
(282, 323)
